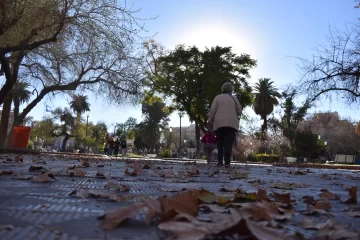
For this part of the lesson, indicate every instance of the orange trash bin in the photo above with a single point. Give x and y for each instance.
(20, 137)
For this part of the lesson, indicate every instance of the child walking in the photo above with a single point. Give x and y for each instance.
(209, 142)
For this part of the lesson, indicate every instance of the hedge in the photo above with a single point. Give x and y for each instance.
(268, 158)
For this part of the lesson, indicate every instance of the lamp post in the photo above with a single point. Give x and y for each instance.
(181, 114)
(251, 144)
(86, 131)
(170, 130)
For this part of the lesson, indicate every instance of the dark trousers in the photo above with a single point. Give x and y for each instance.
(225, 137)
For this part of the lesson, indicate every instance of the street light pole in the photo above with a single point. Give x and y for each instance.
(180, 116)
(86, 134)
(170, 130)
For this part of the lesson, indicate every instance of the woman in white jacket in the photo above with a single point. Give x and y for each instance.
(223, 118)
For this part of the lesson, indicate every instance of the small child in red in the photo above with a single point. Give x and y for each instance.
(209, 141)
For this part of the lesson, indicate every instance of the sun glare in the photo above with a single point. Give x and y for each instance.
(210, 35)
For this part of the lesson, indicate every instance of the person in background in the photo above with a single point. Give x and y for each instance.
(209, 142)
(111, 143)
(223, 119)
(123, 147)
(116, 147)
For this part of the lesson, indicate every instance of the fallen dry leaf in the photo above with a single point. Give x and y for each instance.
(114, 218)
(84, 193)
(42, 178)
(205, 196)
(85, 164)
(172, 189)
(286, 186)
(326, 195)
(176, 180)
(6, 172)
(213, 208)
(310, 224)
(19, 159)
(7, 227)
(186, 202)
(282, 197)
(22, 177)
(309, 200)
(323, 205)
(238, 175)
(247, 197)
(261, 195)
(100, 174)
(353, 212)
(228, 189)
(78, 172)
(36, 168)
(311, 210)
(352, 195)
(117, 186)
(146, 166)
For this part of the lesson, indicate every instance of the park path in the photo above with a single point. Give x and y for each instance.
(68, 206)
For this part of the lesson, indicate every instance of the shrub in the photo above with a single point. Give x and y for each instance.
(30, 145)
(251, 158)
(165, 154)
(203, 157)
(268, 158)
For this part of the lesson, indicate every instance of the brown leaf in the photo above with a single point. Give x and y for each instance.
(247, 197)
(326, 195)
(22, 177)
(176, 180)
(309, 224)
(116, 217)
(261, 195)
(194, 172)
(172, 189)
(19, 159)
(42, 178)
(117, 186)
(282, 197)
(206, 196)
(311, 210)
(78, 172)
(127, 172)
(83, 193)
(227, 189)
(323, 205)
(309, 199)
(7, 227)
(186, 230)
(352, 195)
(238, 175)
(285, 186)
(213, 208)
(146, 166)
(85, 164)
(6, 172)
(100, 174)
(186, 202)
(36, 168)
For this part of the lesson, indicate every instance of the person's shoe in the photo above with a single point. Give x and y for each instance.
(227, 165)
(220, 165)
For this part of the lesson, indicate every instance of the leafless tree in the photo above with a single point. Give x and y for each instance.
(335, 68)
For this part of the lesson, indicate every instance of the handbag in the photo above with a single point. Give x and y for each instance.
(238, 117)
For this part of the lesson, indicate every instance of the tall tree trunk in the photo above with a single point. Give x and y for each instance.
(5, 115)
(66, 138)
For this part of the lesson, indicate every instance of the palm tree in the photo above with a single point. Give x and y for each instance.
(20, 95)
(266, 97)
(79, 105)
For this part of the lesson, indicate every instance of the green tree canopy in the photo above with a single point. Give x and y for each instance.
(191, 78)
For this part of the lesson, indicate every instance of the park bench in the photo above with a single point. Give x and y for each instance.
(151, 155)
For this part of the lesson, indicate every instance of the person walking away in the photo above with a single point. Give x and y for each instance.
(209, 142)
(223, 119)
(123, 147)
(117, 147)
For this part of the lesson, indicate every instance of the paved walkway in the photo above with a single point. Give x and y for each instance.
(51, 210)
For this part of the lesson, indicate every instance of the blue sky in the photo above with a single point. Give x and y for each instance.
(272, 32)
